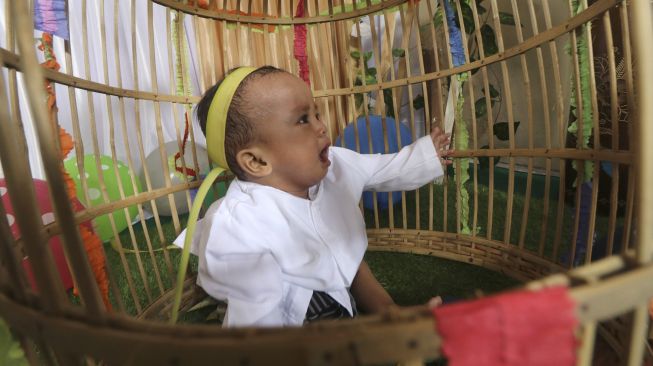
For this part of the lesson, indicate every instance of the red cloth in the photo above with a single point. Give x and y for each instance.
(300, 45)
(513, 329)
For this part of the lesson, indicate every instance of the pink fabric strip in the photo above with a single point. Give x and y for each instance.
(300, 45)
(517, 328)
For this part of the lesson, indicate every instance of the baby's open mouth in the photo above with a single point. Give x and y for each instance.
(324, 154)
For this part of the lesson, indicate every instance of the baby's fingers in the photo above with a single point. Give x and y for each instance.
(436, 132)
(434, 302)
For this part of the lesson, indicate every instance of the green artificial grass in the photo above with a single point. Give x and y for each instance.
(414, 279)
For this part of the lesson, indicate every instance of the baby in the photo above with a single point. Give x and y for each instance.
(285, 245)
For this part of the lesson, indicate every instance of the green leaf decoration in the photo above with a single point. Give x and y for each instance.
(11, 354)
(437, 18)
(468, 17)
(355, 55)
(481, 107)
(501, 130)
(584, 62)
(572, 113)
(494, 94)
(489, 40)
(367, 55)
(389, 107)
(370, 79)
(398, 52)
(371, 71)
(358, 98)
(479, 8)
(461, 142)
(506, 18)
(418, 102)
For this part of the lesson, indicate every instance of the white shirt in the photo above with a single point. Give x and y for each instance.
(265, 251)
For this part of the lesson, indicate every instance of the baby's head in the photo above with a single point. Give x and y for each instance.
(273, 135)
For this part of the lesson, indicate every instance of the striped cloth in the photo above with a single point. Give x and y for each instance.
(323, 306)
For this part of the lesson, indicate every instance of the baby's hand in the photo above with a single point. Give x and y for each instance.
(434, 302)
(441, 141)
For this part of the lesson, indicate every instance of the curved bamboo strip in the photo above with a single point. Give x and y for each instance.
(406, 334)
(47, 276)
(284, 19)
(547, 36)
(12, 60)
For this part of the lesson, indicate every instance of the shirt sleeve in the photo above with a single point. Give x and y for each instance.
(237, 267)
(410, 168)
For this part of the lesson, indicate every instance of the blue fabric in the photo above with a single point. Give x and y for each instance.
(455, 37)
(376, 131)
(50, 17)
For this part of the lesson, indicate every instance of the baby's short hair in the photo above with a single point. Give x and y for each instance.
(239, 130)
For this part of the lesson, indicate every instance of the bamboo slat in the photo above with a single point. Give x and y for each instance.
(105, 71)
(587, 347)
(162, 152)
(182, 69)
(511, 122)
(560, 123)
(580, 138)
(530, 125)
(595, 133)
(542, 38)
(547, 128)
(12, 60)
(13, 256)
(139, 139)
(614, 117)
(642, 24)
(24, 201)
(407, 18)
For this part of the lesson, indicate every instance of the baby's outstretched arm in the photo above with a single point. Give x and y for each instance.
(370, 296)
(441, 141)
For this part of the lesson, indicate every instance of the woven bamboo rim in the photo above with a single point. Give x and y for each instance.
(403, 334)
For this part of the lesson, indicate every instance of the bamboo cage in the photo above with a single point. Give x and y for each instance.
(523, 77)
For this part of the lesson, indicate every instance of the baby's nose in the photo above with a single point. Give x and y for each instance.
(321, 128)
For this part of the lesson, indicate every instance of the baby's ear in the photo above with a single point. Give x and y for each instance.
(252, 162)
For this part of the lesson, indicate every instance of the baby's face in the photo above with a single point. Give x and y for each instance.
(289, 130)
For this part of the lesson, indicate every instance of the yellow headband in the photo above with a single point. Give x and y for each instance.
(215, 129)
(216, 121)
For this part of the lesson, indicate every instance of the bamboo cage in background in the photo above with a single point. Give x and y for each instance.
(537, 94)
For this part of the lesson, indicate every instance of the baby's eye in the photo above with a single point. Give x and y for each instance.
(303, 120)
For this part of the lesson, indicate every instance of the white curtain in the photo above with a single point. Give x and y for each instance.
(128, 77)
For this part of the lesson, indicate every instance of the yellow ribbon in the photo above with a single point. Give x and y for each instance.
(215, 130)
(217, 118)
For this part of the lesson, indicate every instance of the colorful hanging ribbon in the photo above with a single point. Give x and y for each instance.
(92, 243)
(300, 45)
(50, 17)
(182, 81)
(455, 37)
(454, 114)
